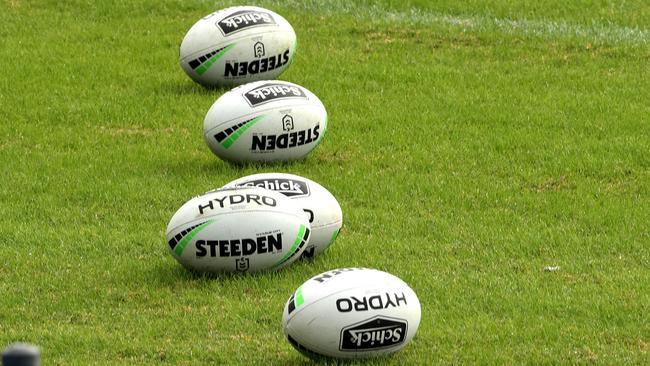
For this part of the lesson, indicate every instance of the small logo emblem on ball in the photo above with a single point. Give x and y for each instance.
(242, 264)
(287, 123)
(258, 49)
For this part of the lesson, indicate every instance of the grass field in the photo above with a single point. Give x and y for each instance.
(470, 145)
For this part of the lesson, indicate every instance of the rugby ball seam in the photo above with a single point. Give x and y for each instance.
(297, 311)
(333, 223)
(232, 41)
(214, 216)
(260, 111)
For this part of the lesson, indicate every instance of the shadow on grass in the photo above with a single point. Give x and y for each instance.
(196, 165)
(170, 273)
(322, 360)
(298, 359)
(214, 166)
(191, 88)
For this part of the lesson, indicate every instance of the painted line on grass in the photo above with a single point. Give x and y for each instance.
(596, 32)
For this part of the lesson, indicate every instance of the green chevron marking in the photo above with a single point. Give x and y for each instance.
(296, 243)
(206, 65)
(299, 299)
(183, 243)
(334, 235)
(240, 131)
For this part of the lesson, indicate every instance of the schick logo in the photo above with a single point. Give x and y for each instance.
(374, 333)
(288, 187)
(244, 19)
(272, 91)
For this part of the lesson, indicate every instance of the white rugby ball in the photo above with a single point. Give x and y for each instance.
(238, 230)
(265, 121)
(351, 313)
(322, 209)
(237, 45)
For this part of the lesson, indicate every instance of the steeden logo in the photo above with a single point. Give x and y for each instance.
(238, 247)
(374, 333)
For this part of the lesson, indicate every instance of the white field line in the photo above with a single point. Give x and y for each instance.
(596, 32)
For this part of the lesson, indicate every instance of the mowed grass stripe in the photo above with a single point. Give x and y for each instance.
(595, 32)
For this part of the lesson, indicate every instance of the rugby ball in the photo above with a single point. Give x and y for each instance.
(238, 230)
(351, 313)
(237, 45)
(265, 121)
(322, 209)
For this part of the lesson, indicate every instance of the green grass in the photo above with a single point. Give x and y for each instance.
(470, 145)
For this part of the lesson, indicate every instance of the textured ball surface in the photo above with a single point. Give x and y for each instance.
(238, 230)
(322, 208)
(351, 313)
(237, 45)
(265, 121)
